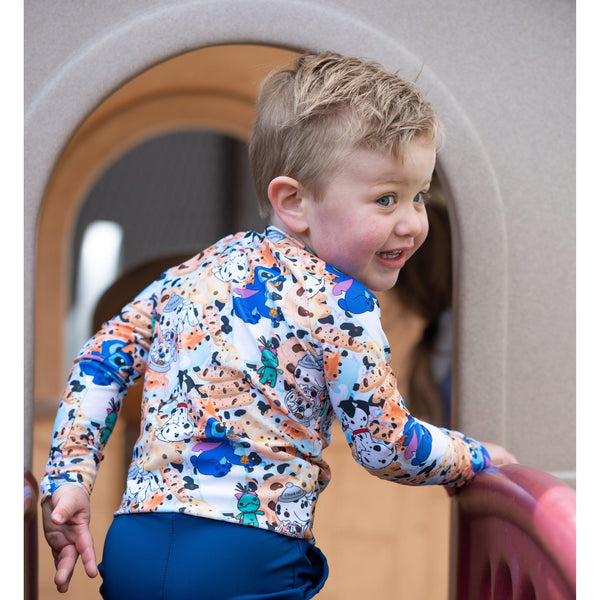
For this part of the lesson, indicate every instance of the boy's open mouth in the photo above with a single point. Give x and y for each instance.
(393, 259)
(392, 254)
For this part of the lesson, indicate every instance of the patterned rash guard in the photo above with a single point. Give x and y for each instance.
(248, 352)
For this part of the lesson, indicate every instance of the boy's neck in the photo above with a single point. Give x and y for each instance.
(275, 221)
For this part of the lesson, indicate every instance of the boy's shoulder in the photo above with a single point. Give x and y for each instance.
(243, 262)
(221, 249)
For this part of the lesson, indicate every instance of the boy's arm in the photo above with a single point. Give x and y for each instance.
(106, 366)
(385, 438)
(392, 444)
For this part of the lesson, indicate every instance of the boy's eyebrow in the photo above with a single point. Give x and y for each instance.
(385, 179)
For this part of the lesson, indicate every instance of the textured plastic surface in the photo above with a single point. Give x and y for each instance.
(516, 537)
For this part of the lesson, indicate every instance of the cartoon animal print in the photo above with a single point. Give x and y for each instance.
(480, 460)
(141, 484)
(217, 454)
(356, 298)
(306, 400)
(187, 316)
(268, 372)
(370, 452)
(164, 346)
(312, 284)
(235, 268)
(417, 442)
(110, 364)
(309, 373)
(305, 301)
(274, 234)
(293, 510)
(248, 504)
(73, 441)
(250, 303)
(110, 422)
(179, 427)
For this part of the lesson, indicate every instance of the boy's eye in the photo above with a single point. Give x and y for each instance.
(420, 198)
(386, 200)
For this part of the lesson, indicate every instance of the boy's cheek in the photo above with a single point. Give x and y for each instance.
(424, 232)
(419, 242)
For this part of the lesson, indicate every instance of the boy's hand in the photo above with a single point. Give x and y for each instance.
(499, 455)
(66, 518)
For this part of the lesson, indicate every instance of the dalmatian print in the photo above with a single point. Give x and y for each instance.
(248, 352)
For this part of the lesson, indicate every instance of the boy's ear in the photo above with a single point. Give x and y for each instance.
(288, 198)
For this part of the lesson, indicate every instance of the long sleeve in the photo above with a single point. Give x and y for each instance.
(384, 437)
(107, 365)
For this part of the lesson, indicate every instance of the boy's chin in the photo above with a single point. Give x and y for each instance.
(382, 284)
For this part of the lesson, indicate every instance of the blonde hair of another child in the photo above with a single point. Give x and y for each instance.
(313, 113)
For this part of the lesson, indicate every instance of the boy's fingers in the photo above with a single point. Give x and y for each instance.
(67, 506)
(91, 570)
(64, 567)
(509, 459)
(63, 510)
(58, 517)
(88, 554)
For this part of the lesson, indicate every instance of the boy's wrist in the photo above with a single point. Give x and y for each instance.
(49, 485)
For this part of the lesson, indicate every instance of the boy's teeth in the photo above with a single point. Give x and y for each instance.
(390, 254)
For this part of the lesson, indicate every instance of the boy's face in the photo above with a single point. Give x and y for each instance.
(371, 217)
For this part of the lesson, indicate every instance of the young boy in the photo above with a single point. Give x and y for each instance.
(250, 349)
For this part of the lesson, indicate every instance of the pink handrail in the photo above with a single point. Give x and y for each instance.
(516, 537)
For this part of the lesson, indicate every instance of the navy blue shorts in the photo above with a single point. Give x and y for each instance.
(171, 556)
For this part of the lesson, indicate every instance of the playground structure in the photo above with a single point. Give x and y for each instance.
(516, 537)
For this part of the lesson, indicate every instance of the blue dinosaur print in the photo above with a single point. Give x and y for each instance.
(250, 303)
(217, 454)
(356, 298)
(110, 364)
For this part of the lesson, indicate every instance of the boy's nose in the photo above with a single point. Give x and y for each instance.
(410, 224)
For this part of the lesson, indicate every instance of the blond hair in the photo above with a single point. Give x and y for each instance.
(311, 114)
